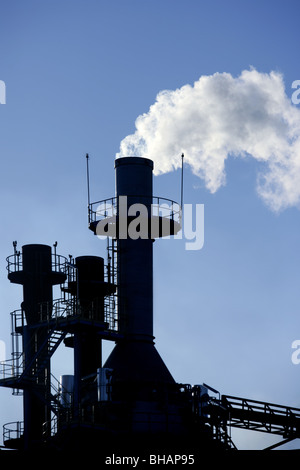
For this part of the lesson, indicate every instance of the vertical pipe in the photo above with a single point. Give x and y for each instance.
(88, 186)
(37, 295)
(87, 343)
(135, 257)
(135, 360)
(37, 278)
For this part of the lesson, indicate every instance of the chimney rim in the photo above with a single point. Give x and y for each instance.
(134, 161)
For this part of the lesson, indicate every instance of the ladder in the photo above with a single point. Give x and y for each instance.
(111, 301)
(42, 356)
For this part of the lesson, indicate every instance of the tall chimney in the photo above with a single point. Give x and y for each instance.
(135, 357)
(134, 257)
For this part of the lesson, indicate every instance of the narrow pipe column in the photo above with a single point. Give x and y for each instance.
(37, 294)
(135, 256)
(89, 289)
(37, 279)
(134, 359)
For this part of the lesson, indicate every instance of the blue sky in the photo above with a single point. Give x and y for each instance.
(78, 74)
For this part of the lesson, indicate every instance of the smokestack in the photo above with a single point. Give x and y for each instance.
(135, 357)
(35, 272)
(135, 257)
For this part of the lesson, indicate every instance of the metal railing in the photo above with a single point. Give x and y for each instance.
(159, 206)
(15, 263)
(13, 430)
(11, 368)
(57, 309)
(261, 416)
(209, 411)
(52, 312)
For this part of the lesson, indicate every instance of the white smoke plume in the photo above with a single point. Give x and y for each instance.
(221, 116)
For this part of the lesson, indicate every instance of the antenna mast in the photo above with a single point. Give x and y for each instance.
(181, 201)
(88, 187)
(88, 177)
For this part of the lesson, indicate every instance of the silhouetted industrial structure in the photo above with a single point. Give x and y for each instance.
(132, 397)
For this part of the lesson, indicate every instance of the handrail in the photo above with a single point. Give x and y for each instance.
(15, 263)
(13, 430)
(50, 427)
(255, 405)
(59, 309)
(11, 368)
(14, 367)
(262, 416)
(110, 207)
